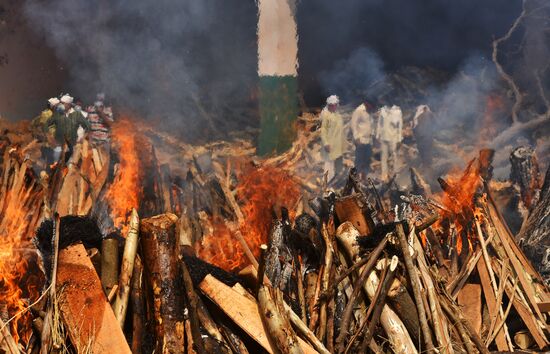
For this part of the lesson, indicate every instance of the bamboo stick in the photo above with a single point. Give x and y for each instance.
(379, 302)
(398, 336)
(325, 281)
(128, 261)
(273, 313)
(138, 306)
(439, 324)
(357, 286)
(415, 284)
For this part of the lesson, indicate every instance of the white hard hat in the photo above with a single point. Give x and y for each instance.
(54, 101)
(333, 99)
(66, 99)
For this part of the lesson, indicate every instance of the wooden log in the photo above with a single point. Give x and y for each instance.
(525, 173)
(357, 286)
(236, 343)
(158, 242)
(109, 264)
(300, 327)
(87, 315)
(379, 302)
(524, 340)
(194, 333)
(441, 329)
(325, 280)
(243, 311)
(128, 261)
(415, 284)
(270, 303)
(138, 306)
(395, 329)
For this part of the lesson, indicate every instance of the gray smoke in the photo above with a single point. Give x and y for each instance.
(349, 77)
(182, 62)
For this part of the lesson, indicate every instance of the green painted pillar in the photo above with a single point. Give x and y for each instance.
(277, 70)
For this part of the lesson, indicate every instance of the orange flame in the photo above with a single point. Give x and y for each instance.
(15, 282)
(259, 191)
(124, 193)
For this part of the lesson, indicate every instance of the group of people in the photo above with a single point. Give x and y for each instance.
(384, 126)
(64, 121)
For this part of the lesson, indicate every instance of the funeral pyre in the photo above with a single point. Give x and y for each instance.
(158, 246)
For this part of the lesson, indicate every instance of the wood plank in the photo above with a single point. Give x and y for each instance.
(242, 310)
(506, 235)
(544, 306)
(491, 300)
(469, 299)
(348, 209)
(87, 315)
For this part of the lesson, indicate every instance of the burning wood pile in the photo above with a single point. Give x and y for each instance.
(234, 254)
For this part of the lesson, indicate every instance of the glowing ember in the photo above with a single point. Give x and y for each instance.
(259, 190)
(124, 192)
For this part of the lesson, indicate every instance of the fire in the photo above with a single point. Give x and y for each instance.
(458, 198)
(15, 282)
(124, 192)
(259, 191)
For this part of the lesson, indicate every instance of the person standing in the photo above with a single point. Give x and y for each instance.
(332, 137)
(423, 129)
(389, 132)
(362, 129)
(67, 122)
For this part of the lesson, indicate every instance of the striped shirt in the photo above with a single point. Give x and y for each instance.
(99, 131)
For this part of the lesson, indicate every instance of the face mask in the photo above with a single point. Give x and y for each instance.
(60, 108)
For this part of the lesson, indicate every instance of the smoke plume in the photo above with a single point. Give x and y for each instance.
(181, 62)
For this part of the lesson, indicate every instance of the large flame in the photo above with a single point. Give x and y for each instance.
(259, 191)
(459, 202)
(16, 283)
(124, 192)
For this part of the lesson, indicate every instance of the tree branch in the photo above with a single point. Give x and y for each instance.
(505, 76)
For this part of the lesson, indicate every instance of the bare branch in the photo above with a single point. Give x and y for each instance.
(505, 76)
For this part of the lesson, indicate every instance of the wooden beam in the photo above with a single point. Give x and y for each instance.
(243, 311)
(469, 299)
(87, 315)
(491, 302)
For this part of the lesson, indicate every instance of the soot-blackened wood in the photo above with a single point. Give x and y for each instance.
(525, 173)
(158, 243)
(138, 306)
(535, 233)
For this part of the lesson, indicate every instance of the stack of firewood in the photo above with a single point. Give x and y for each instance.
(340, 271)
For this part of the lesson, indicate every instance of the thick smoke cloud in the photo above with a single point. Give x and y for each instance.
(432, 33)
(349, 77)
(176, 61)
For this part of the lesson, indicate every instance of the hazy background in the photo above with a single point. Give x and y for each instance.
(192, 64)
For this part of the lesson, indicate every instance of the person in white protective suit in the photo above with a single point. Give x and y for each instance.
(389, 133)
(362, 129)
(332, 137)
